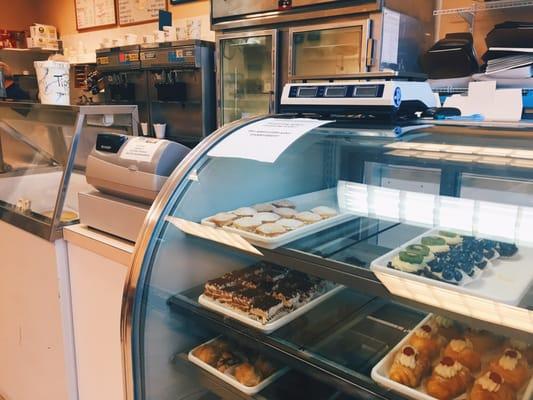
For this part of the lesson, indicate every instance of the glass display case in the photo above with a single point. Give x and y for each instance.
(302, 264)
(43, 151)
(247, 65)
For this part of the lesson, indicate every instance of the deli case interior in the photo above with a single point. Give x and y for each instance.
(43, 154)
(360, 263)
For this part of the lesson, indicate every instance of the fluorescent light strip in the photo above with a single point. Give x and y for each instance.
(498, 221)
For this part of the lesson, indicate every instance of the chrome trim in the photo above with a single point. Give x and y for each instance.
(144, 240)
(67, 172)
(218, 66)
(265, 19)
(365, 35)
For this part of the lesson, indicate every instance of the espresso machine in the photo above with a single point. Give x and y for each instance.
(124, 80)
(181, 88)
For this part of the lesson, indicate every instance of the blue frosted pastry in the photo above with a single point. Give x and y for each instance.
(506, 249)
(489, 249)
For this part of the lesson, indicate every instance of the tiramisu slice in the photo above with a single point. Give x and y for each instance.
(265, 307)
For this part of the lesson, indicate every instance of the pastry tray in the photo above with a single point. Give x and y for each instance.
(250, 390)
(304, 202)
(380, 374)
(506, 281)
(276, 323)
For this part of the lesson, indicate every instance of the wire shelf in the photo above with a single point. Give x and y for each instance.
(485, 6)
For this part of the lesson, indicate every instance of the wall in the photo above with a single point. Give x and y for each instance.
(61, 14)
(19, 14)
(484, 21)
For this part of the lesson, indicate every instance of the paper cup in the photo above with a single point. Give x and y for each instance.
(159, 130)
(144, 128)
(130, 38)
(148, 39)
(53, 81)
(159, 36)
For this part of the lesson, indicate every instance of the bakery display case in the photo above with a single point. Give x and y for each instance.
(43, 151)
(358, 264)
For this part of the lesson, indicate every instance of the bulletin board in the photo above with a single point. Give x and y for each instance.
(91, 14)
(131, 12)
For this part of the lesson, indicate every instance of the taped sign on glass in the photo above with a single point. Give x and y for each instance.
(265, 140)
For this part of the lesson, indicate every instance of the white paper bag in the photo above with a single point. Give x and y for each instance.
(53, 80)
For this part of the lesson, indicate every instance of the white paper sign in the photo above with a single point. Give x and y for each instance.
(140, 149)
(265, 140)
(391, 33)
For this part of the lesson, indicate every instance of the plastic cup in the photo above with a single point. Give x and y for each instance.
(159, 130)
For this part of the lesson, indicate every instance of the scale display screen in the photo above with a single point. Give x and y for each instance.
(366, 91)
(336, 91)
(307, 91)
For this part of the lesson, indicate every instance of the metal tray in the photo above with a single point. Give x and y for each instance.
(272, 325)
(380, 374)
(250, 390)
(304, 202)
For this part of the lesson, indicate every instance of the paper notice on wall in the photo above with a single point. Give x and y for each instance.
(265, 140)
(391, 34)
(140, 149)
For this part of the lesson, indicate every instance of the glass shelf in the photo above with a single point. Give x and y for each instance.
(290, 386)
(337, 342)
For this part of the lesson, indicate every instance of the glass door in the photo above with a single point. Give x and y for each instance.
(247, 75)
(332, 50)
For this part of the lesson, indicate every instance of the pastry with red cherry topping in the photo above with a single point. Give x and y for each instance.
(491, 386)
(512, 367)
(426, 340)
(449, 379)
(409, 367)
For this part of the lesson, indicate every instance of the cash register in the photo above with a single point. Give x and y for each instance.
(127, 172)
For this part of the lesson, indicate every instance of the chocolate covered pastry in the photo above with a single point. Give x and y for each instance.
(265, 290)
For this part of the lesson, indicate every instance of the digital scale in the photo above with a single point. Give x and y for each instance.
(383, 99)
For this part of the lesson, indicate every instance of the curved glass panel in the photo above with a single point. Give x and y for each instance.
(375, 192)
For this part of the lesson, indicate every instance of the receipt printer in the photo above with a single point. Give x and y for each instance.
(131, 167)
(128, 173)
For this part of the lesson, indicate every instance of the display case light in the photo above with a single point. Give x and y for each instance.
(456, 214)
(497, 221)
(524, 234)
(384, 202)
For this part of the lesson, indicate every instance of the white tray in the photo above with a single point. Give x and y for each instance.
(273, 325)
(232, 381)
(380, 374)
(304, 202)
(507, 281)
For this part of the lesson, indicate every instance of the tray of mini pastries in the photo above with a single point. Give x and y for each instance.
(484, 268)
(278, 222)
(265, 296)
(245, 369)
(440, 359)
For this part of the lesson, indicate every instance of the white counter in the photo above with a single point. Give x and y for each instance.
(98, 265)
